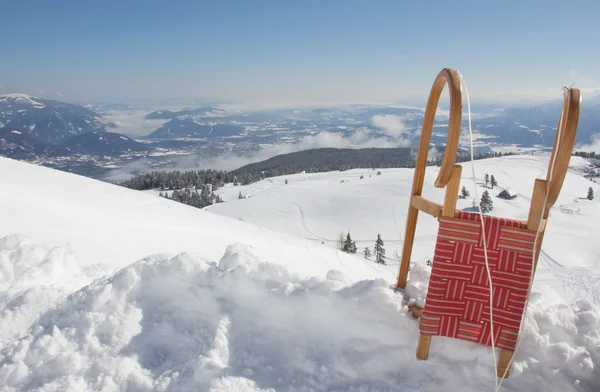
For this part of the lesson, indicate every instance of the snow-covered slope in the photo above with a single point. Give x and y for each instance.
(319, 206)
(104, 288)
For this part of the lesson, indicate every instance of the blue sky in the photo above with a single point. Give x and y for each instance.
(295, 50)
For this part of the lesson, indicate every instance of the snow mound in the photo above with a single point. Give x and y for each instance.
(186, 323)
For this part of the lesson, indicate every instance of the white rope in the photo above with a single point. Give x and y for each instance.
(487, 265)
(535, 243)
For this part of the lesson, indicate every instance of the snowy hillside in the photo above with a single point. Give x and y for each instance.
(319, 206)
(105, 288)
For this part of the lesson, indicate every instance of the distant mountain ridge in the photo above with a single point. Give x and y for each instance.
(48, 121)
(209, 111)
(32, 127)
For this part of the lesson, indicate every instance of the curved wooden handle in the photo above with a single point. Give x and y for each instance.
(563, 145)
(450, 77)
(447, 170)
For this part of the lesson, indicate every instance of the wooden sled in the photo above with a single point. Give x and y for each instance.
(435, 321)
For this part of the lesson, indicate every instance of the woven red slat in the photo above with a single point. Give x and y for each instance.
(457, 303)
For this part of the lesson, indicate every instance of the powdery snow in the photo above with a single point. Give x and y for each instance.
(319, 206)
(229, 307)
(186, 324)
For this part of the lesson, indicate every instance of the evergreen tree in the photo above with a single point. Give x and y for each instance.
(341, 241)
(349, 245)
(487, 179)
(590, 195)
(361, 177)
(240, 195)
(493, 181)
(378, 172)
(486, 202)
(379, 250)
(464, 192)
(286, 181)
(367, 253)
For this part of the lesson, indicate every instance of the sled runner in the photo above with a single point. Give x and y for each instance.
(458, 299)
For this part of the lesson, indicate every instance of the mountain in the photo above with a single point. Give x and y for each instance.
(536, 124)
(47, 120)
(188, 127)
(99, 144)
(331, 159)
(200, 112)
(106, 288)
(20, 145)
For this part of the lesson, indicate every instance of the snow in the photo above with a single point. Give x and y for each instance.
(319, 206)
(106, 289)
(22, 98)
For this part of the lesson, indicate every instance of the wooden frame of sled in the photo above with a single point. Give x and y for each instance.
(450, 174)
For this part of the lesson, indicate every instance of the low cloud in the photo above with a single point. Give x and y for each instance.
(361, 138)
(594, 144)
(133, 123)
(394, 127)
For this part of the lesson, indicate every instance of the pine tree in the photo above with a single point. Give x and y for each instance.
(286, 181)
(590, 195)
(361, 177)
(464, 192)
(349, 245)
(367, 253)
(379, 250)
(378, 172)
(341, 241)
(487, 179)
(486, 202)
(493, 181)
(240, 195)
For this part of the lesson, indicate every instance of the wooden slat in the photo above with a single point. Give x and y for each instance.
(423, 347)
(537, 204)
(563, 145)
(450, 77)
(426, 206)
(451, 196)
(503, 360)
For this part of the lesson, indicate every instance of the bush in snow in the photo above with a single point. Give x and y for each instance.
(379, 250)
(464, 193)
(349, 246)
(486, 202)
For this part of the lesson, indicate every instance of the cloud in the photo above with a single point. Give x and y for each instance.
(361, 138)
(133, 123)
(594, 144)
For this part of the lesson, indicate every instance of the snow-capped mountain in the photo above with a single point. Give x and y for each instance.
(188, 127)
(20, 145)
(99, 144)
(205, 112)
(106, 288)
(48, 121)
